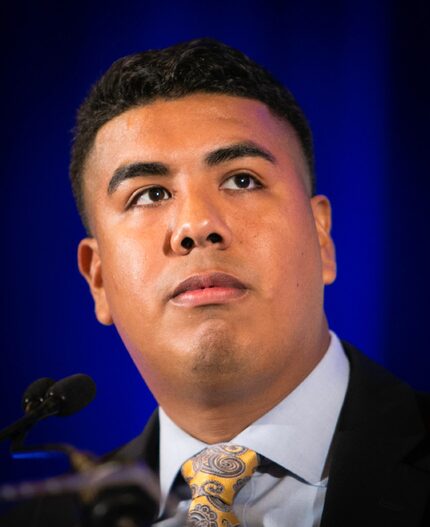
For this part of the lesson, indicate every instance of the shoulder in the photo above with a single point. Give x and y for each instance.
(423, 401)
(384, 409)
(380, 399)
(380, 459)
(144, 447)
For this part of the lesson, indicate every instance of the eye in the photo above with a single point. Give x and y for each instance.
(242, 181)
(150, 196)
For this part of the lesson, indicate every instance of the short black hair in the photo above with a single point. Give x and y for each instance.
(203, 65)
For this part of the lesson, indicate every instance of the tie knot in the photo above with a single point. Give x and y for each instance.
(220, 471)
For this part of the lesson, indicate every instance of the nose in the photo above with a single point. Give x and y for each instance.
(199, 223)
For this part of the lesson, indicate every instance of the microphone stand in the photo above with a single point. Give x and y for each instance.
(18, 430)
(112, 494)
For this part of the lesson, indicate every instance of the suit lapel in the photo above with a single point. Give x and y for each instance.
(378, 475)
(144, 448)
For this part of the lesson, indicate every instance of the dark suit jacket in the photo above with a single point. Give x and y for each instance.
(380, 458)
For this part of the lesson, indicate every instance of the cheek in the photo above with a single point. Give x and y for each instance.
(131, 264)
(285, 243)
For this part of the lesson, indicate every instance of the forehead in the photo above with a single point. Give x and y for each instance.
(182, 131)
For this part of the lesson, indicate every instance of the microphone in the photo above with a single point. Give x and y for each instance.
(70, 395)
(64, 397)
(35, 394)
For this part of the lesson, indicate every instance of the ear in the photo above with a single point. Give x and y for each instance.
(322, 215)
(90, 267)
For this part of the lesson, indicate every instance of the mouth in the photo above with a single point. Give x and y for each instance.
(207, 289)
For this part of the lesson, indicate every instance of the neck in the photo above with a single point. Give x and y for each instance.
(222, 418)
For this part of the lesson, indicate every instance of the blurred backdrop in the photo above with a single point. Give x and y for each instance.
(360, 70)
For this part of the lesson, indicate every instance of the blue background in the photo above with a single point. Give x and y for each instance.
(361, 72)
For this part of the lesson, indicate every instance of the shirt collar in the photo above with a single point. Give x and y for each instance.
(296, 434)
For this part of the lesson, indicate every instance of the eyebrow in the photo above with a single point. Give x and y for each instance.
(214, 158)
(236, 151)
(136, 170)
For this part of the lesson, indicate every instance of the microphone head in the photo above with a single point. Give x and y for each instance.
(35, 394)
(72, 393)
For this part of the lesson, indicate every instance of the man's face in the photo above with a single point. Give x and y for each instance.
(208, 254)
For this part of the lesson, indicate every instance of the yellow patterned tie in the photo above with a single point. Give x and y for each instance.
(215, 476)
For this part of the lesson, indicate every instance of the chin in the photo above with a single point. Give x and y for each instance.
(215, 354)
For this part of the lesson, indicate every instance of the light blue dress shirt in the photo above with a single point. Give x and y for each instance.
(296, 435)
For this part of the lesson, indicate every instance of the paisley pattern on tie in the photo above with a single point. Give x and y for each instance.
(215, 476)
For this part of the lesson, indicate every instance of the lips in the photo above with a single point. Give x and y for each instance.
(207, 281)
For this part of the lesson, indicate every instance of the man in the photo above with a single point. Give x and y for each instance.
(209, 250)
